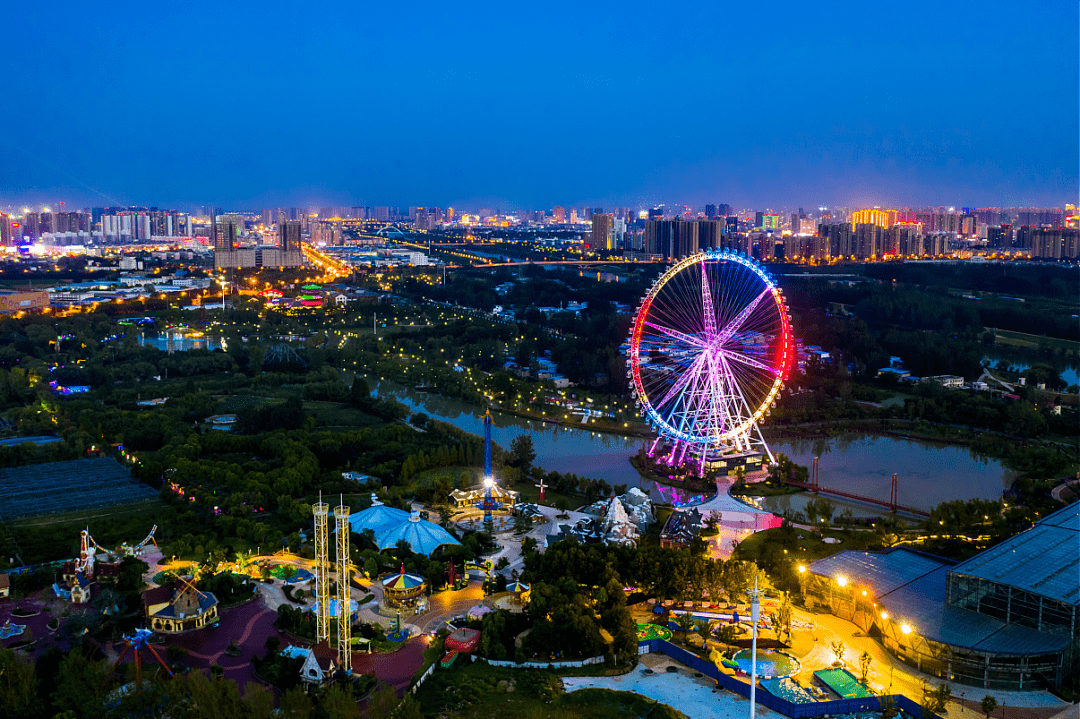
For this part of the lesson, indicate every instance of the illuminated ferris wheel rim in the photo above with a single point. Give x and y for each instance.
(779, 372)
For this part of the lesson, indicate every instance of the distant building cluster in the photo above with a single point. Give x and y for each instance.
(272, 237)
(230, 251)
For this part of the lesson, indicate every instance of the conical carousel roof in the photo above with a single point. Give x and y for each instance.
(377, 518)
(423, 537)
(402, 580)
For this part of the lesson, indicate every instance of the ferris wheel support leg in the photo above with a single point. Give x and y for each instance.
(652, 450)
(764, 445)
(682, 455)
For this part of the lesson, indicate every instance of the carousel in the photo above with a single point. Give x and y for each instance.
(403, 590)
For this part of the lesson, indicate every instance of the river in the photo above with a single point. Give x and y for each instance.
(929, 473)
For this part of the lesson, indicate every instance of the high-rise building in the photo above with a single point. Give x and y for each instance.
(6, 230)
(222, 232)
(558, 215)
(31, 227)
(673, 239)
(601, 238)
(710, 234)
(710, 211)
(869, 244)
(872, 216)
(840, 240)
(289, 235)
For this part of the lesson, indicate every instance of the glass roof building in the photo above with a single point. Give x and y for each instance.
(1008, 618)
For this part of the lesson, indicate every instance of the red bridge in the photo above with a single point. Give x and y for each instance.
(891, 505)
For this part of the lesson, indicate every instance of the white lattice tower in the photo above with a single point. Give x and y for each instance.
(341, 517)
(322, 571)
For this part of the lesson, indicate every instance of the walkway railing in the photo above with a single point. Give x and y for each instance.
(778, 704)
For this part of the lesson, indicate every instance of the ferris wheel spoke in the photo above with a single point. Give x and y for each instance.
(737, 322)
(684, 379)
(708, 312)
(748, 361)
(676, 334)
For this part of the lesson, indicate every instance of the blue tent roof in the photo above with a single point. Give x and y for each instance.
(378, 518)
(423, 537)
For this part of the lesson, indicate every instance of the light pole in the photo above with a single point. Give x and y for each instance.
(755, 610)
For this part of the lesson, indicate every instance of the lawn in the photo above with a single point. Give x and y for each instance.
(809, 548)
(1023, 339)
(477, 690)
(337, 415)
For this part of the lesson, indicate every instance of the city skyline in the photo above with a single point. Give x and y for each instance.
(506, 107)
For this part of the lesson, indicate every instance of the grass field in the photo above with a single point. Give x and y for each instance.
(1011, 338)
(42, 539)
(116, 511)
(807, 549)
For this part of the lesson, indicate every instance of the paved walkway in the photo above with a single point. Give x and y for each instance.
(695, 697)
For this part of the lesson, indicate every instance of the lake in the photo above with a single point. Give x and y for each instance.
(929, 473)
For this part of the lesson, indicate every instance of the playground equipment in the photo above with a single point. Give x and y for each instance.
(322, 571)
(341, 518)
(489, 504)
(452, 574)
(136, 551)
(87, 556)
(135, 642)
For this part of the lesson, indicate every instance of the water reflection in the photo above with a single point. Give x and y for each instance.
(929, 473)
(181, 342)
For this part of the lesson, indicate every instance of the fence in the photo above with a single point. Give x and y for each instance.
(422, 677)
(542, 665)
(778, 704)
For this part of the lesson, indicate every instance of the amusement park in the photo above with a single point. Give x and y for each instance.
(438, 577)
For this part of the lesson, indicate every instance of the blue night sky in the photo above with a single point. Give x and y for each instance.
(529, 105)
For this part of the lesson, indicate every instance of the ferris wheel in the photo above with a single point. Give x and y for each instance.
(709, 350)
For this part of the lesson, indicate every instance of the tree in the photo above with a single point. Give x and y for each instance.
(82, 685)
(864, 666)
(296, 704)
(837, 647)
(686, 622)
(727, 634)
(935, 699)
(988, 705)
(522, 453)
(18, 685)
(704, 630)
(887, 702)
